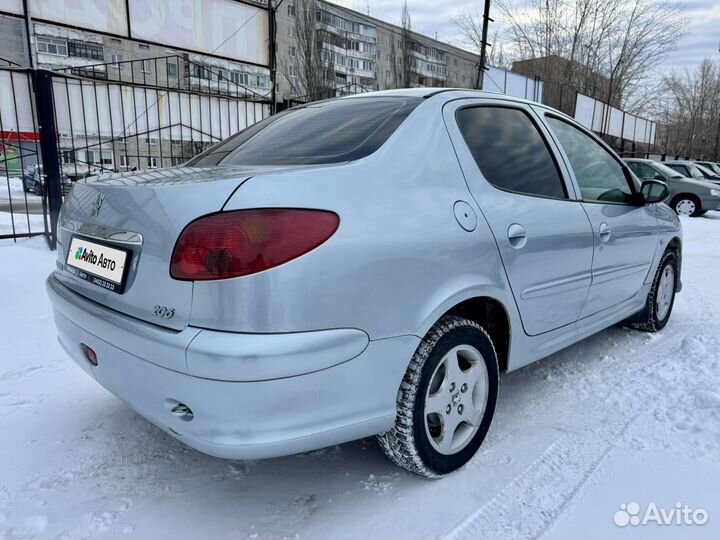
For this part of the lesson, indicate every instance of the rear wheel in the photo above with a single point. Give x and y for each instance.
(687, 205)
(446, 400)
(661, 299)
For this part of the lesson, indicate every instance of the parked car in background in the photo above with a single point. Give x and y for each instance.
(690, 169)
(687, 196)
(711, 166)
(34, 181)
(298, 286)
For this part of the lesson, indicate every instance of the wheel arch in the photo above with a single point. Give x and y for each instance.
(675, 245)
(488, 312)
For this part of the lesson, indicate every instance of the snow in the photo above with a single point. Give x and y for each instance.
(622, 417)
(13, 195)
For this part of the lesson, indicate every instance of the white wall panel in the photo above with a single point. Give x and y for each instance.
(101, 15)
(12, 6)
(15, 115)
(222, 27)
(122, 110)
(592, 114)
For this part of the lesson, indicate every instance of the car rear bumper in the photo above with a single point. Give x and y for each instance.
(254, 419)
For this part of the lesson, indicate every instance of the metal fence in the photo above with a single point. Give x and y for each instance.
(59, 127)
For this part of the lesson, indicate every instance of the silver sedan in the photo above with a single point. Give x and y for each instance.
(688, 196)
(358, 267)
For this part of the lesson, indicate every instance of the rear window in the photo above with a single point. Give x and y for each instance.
(327, 132)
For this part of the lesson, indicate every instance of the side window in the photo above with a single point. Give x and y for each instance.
(680, 168)
(644, 171)
(637, 169)
(599, 175)
(510, 151)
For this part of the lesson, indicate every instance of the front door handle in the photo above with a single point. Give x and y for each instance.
(517, 235)
(605, 232)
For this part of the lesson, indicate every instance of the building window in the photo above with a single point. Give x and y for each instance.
(151, 141)
(117, 60)
(293, 71)
(143, 45)
(94, 157)
(172, 69)
(292, 51)
(145, 68)
(291, 31)
(152, 162)
(57, 47)
(124, 161)
(291, 9)
(81, 49)
(200, 72)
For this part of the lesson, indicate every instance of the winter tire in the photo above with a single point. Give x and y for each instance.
(661, 299)
(446, 400)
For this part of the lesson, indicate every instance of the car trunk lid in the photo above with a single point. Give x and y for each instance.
(142, 214)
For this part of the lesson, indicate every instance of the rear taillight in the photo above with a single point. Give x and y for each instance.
(243, 242)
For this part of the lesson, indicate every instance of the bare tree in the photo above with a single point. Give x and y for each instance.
(311, 74)
(622, 40)
(692, 115)
(401, 52)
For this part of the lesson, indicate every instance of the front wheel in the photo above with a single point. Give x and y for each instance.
(661, 299)
(446, 400)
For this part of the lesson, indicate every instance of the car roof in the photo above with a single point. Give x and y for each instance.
(448, 94)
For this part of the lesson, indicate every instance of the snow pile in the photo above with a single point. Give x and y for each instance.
(614, 424)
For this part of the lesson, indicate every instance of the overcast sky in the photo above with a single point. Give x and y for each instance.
(433, 16)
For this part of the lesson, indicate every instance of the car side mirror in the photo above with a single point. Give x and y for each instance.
(658, 177)
(654, 191)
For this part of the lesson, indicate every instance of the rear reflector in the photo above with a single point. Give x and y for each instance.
(244, 242)
(89, 354)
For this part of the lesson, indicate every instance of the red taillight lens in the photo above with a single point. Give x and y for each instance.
(243, 242)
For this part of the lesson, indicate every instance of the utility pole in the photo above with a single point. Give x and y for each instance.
(28, 39)
(484, 45)
(272, 54)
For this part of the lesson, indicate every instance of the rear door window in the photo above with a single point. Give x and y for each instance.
(510, 151)
(334, 131)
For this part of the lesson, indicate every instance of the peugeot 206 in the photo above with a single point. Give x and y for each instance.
(364, 266)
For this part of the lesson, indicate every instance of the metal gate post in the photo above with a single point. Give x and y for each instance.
(45, 107)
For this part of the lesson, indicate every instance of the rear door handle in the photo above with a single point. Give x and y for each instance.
(517, 235)
(605, 232)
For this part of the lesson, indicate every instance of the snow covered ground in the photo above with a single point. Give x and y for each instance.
(623, 418)
(12, 196)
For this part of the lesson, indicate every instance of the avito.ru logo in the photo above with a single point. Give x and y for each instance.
(89, 256)
(681, 514)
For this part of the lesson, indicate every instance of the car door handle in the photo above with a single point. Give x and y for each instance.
(517, 235)
(605, 232)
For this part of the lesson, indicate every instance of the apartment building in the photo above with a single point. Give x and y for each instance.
(365, 53)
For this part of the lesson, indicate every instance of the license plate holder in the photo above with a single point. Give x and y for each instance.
(101, 264)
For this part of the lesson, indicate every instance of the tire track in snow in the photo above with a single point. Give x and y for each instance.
(531, 503)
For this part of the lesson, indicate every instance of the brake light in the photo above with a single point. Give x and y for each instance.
(244, 242)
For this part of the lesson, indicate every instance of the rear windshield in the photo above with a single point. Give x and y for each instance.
(327, 132)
